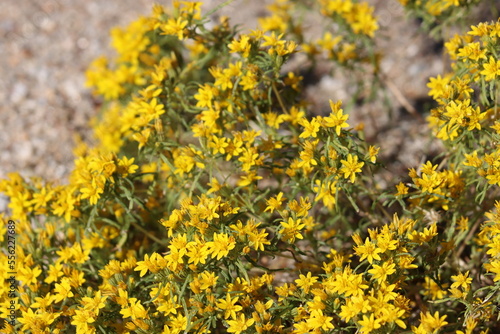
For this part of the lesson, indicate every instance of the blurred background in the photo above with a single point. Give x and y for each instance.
(46, 46)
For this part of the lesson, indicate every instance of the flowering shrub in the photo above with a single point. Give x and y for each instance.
(213, 201)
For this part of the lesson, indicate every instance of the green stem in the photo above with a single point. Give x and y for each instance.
(148, 234)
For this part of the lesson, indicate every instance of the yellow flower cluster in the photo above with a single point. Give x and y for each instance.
(437, 14)
(476, 66)
(437, 187)
(359, 16)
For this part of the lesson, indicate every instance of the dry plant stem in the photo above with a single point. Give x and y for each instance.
(278, 96)
(401, 98)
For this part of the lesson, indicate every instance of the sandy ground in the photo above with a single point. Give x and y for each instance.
(46, 45)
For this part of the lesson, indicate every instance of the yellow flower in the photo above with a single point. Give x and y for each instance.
(328, 42)
(433, 290)
(326, 191)
(235, 147)
(361, 19)
(431, 323)
(65, 254)
(494, 267)
(222, 78)
(152, 109)
(184, 161)
(472, 160)
(43, 302)
(207, 280)
(63, 290)
(438, 86)
(20, 203)
(79, 255)
(368, 324)
(249, 80)
(355, 305)
(197, 252)
(82, 319)
(336, 119)
(273, 119)
(295, 115)
(350, 167)
(174, 258)
(482, 29)
(218, 144)
(177, 324)
(174, 27)
(242, 46)
(422, 237)
(167, 304)
(393, 314)
(92, 191)
(273, 40)
(307, 154)
(142, 137)
(372, 153)
(37, 322)
(273, 22)
(249, 157)
(154, 264)
(215, 186)
(472, 51)
(491, 69)
(401, 189)
(126, 166)
(42, 198)
(257, 240)
(248, 178)
(310, 128)
(306, 282)
(205, 96)
(461, 281)
(317, 320)
(293, 81)
(134, 310)
(94, 303)
(368, 251)
(380, 273)
(302, 208)
(29, 275)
